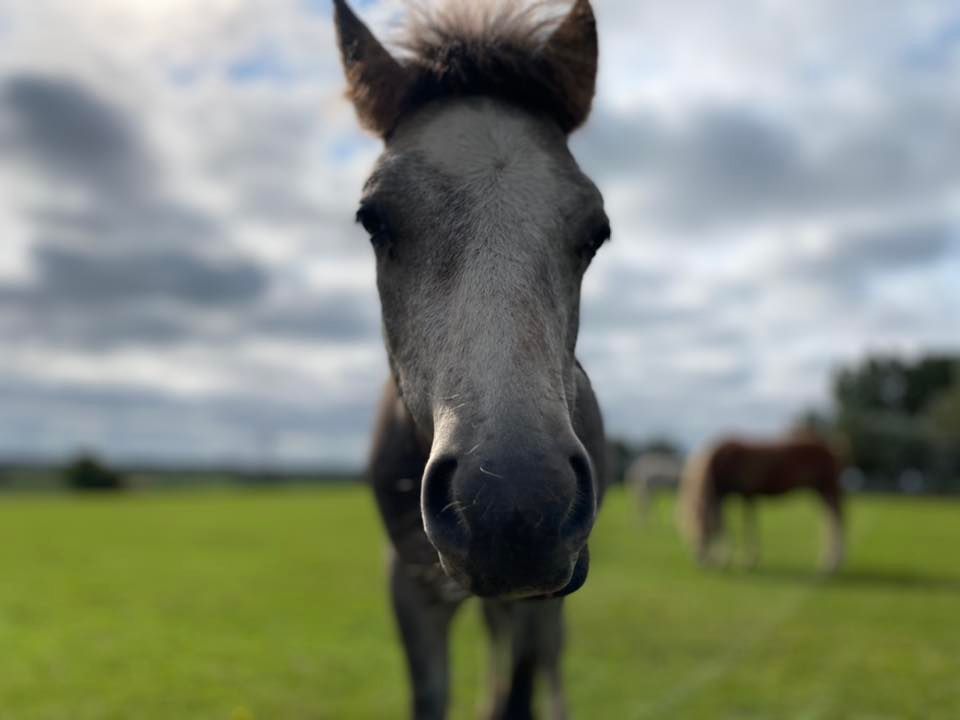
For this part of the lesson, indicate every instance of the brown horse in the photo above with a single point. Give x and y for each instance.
(753, 469)
(487, 462)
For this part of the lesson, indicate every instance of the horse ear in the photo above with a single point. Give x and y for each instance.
(572, 52)
(376, 83)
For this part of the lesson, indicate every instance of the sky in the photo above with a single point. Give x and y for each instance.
(181, 280)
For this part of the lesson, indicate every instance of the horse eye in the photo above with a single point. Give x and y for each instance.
(599, 237)
(373, 221)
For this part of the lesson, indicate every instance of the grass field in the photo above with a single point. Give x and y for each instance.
(271, 605)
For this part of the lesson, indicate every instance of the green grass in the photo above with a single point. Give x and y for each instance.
(271, 605)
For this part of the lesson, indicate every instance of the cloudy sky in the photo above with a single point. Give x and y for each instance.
(180, 278)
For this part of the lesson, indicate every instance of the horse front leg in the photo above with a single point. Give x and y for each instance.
(715, 546)
(549, 620)
(527, 639)
(423, 617)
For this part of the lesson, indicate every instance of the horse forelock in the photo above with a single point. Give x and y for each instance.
(494, 48)
(432, 22)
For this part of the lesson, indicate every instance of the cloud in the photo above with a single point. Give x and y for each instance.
(140, 423)
(337, 316)
(132, 264)
(180, 277)
(60, 126)
(136, 225)
(96, 303)
(733, 166)
(890, 248)
(81, 277)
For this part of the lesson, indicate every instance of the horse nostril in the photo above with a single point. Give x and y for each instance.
(579, 521)
(442, 517)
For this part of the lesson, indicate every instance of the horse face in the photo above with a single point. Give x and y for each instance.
(483, 227)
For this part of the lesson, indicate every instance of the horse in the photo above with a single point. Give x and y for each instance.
(752, 469)
(652, 472)
(488, 454)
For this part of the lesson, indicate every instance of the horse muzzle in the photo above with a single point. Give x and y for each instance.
(512, 526)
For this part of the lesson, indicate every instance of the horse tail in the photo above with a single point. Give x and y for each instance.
(696, 490)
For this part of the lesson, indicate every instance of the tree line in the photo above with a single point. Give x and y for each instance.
(897, 421)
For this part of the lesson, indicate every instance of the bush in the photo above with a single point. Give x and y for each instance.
(88, 473)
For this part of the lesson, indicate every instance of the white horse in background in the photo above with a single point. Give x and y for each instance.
(650, 474)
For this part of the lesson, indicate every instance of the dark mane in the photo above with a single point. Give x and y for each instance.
(478, 47)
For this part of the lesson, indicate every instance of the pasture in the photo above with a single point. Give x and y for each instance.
(248, 604)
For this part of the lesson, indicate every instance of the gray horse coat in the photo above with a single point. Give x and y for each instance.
(488, 459)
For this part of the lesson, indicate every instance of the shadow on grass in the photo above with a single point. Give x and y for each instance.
(879, 578)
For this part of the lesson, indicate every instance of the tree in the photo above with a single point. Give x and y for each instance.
(943, 422)
(890, 384)
(943, 414)
(88, 473)
(899, 416)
